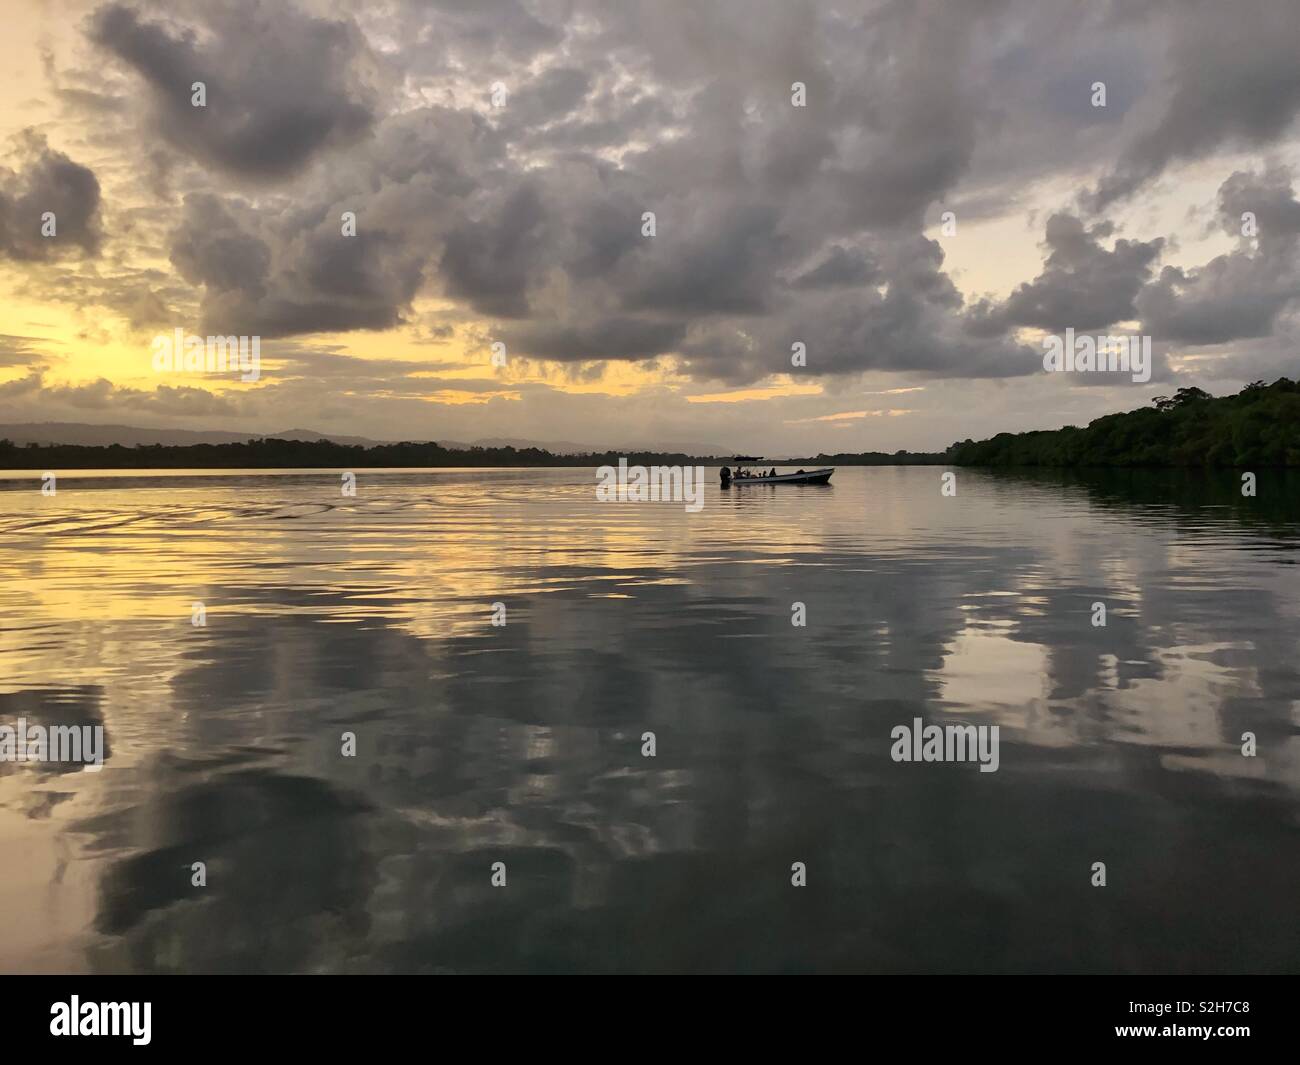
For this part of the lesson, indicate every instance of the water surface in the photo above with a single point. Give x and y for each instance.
(522, 744)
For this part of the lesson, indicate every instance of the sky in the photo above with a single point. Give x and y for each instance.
(913, 193)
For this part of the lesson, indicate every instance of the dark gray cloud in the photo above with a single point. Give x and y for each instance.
(550, 97)
(1238, 295)
(606, 338)
(716, 262)
(840, 266)
(276, 276)
(496, 36)
(1231, 78)
(281, 84)
(47, 181)
(431, 206)
(1083, 285)
(489, 261)
(914, 321)
(210, 247)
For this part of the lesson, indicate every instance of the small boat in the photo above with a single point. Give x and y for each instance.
(822, 476)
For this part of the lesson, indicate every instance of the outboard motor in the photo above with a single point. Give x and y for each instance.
(726, 476)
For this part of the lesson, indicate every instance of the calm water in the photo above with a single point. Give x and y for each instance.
(522, 743)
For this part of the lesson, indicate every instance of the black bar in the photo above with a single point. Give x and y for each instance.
(340, 1014)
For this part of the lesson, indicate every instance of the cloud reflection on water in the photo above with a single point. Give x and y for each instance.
(522, 743)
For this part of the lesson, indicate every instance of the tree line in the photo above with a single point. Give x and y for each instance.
(277, 453)
(1257, 427)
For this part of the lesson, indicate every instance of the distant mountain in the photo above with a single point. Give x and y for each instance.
(130, 436)
(681, 447)
(311, 434)
(555, 447)
(569, 447)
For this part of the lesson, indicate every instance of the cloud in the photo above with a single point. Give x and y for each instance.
(489, 261)
(34, 394)
(718, 262)
(1083, 285)
(47, 181)
(913, 320)
(1238, 295)
(425, 199)
(452, 200)
(271, 277)
(281, 85)
(840, 266)
(612, 338)
(20, 351)
(1231, 78)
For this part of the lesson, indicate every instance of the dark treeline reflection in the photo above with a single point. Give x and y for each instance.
(1261, 501)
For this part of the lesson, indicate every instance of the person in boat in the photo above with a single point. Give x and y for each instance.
(773, 473)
